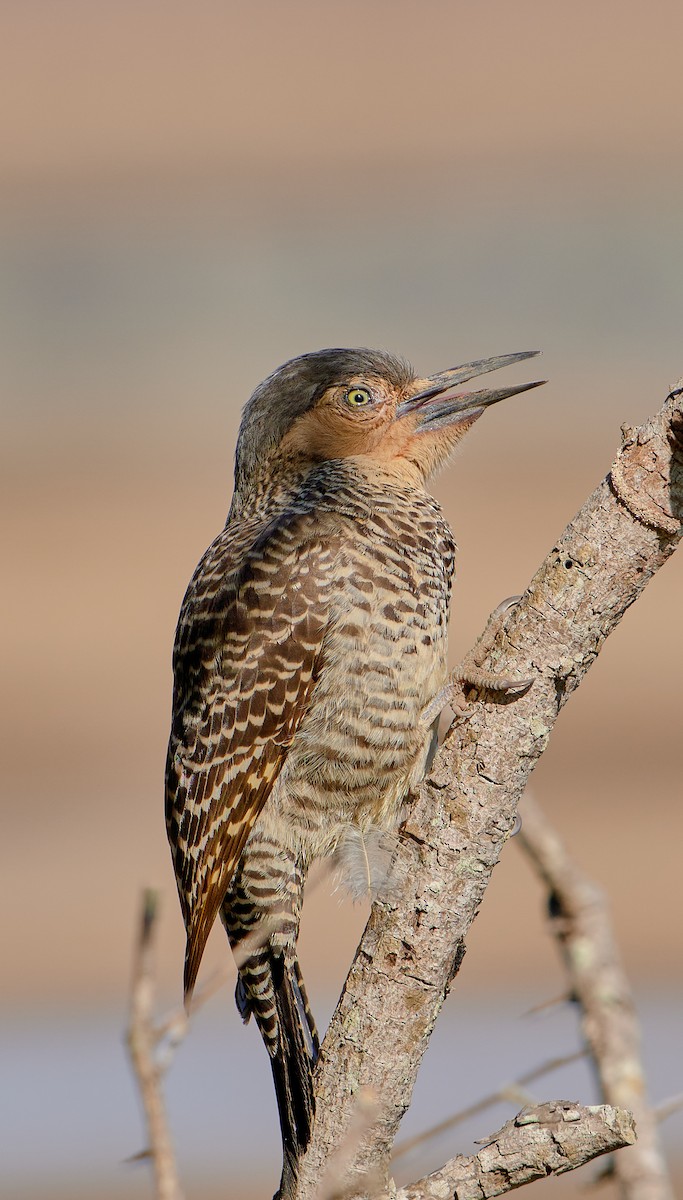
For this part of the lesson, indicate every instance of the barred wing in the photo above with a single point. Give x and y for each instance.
(247, 656)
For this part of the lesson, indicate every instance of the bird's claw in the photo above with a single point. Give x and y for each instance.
(487, 681)
(469, 672)
(470, 675)
(500, 610)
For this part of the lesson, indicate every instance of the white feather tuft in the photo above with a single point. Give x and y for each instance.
(365, 862)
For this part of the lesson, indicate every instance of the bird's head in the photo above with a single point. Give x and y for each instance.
(366, 405)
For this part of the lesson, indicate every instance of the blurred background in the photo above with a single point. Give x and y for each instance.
(189, 195)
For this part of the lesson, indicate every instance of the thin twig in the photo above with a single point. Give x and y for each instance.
(172, 1030)
(504, 1094)
(668, 1107)
(544, 1006)
(580, 922)
(142, 1039)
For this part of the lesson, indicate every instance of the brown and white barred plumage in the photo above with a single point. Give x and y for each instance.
(311, 639)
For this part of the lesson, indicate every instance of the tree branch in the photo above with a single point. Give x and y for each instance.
(414, 942)
(142, 1038)
(580, 922)
(543, 1139)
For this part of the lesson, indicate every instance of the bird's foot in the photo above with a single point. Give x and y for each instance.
(469, 674)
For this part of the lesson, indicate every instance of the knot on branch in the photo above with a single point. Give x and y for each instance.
(647, 474)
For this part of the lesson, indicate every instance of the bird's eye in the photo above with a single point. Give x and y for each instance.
(358, 396)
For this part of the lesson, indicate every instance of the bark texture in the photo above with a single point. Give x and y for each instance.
(542, 1140)
(414, 942)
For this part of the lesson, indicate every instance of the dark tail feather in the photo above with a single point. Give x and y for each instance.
(304, 1008)
(293, 1067)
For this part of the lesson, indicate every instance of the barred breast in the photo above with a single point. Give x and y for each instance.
(363, 744)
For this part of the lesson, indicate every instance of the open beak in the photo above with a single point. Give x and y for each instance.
(436, 409)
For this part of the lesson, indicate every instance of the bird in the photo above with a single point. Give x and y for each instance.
(309, 661)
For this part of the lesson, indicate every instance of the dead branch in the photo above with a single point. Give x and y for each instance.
(142, 1038)
(414, 941)
(579, 919)
(172, 1030)
(543, 1139)
(152, 1045)
(667, 1108)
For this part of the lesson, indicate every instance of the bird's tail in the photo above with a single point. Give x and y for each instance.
(292, 1067)
(271, 986)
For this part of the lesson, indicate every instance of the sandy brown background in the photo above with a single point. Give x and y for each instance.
(191, 194)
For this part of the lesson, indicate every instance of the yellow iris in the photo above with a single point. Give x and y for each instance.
(358, 396)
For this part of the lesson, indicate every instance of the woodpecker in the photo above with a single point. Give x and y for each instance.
(310, 653)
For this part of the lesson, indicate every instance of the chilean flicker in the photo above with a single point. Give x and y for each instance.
(310, 648)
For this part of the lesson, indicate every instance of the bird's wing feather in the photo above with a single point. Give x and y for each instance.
(246, 659)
